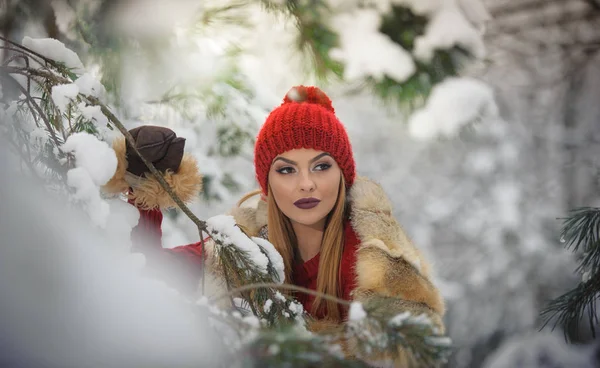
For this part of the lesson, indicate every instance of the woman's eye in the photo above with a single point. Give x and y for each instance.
(322, 167)
(285, 170)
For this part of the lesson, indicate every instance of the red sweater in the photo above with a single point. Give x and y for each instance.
(182, 266)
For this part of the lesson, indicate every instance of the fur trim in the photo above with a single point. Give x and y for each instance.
(148, 193)
(186, 183)
(117, 183)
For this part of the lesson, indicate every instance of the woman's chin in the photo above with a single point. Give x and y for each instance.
(308, 220)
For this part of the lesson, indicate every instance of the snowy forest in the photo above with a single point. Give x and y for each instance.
(479, 118)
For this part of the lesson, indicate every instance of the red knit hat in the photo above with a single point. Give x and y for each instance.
(305, 119)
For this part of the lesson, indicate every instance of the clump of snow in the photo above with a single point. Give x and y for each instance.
(94, 113)
(95, 164)
(274, 257)
(90, 86)
(88, 192)
(55, 50)
(123, 217)
(95, 156)
(448, 27)
(443, 341)
(268, 305)
(223, 228)
(453, 104)
(296, 308)
(62, 94)
(399, 319)
(280, 296)
(357, 312)
(359, 31)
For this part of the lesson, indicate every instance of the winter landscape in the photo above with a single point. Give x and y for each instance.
(479, 118)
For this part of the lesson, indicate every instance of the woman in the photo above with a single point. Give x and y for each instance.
(334, 230)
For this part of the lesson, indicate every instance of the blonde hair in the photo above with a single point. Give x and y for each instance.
(283, 238)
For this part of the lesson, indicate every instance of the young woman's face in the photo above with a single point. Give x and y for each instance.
(305, 185)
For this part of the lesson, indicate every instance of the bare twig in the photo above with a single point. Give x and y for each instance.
(273, 285)
(203, 260)
(23, 48)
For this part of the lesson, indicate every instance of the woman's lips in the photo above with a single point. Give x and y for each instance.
(307, 203)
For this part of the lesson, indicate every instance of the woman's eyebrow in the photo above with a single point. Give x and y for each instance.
(295, 163)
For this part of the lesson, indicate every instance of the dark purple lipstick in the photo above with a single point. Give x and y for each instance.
(307, 203)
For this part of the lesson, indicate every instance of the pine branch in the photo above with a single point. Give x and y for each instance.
(391, 330)
(380, 332)
(581, 234)
(570, 308)
(287, 347)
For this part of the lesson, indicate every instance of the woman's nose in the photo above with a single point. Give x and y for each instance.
(306, 183)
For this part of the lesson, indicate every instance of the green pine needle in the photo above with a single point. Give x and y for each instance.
(581, 234)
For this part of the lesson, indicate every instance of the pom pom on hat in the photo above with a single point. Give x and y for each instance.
(305, 119)
(309, 95)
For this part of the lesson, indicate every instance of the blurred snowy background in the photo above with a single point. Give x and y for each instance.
(483, 201)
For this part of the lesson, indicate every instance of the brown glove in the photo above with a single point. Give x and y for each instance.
(161, 147)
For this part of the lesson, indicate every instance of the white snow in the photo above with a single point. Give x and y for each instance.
(63, 94)
(88, 192)
(439, 340)
(95, 164)
(280, 296)
(448, 27)
(296, 308)
(123, 217)
(267, 306)
(359, 32)
(223, 228)
(90, 86)
(452, 105)
(94, 114)
(38, 137)
(357, 312)
(252, 321)
(55, 50)
(93, 155)
(274, 257)
(399, 319)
